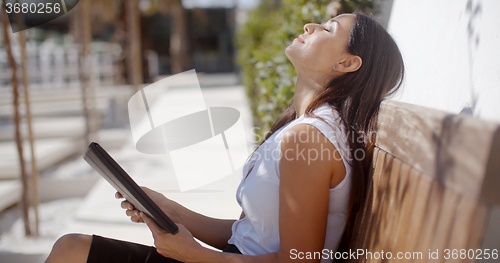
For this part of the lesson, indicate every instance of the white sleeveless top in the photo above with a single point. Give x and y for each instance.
(258, 233)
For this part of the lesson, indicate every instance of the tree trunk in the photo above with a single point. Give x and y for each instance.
(179, 39)
(120, 38)
(34, 169)
(134, 61)
(17, 119)
(84, 36)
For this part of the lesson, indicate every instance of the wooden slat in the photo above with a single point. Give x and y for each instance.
(477, 227)
(491, 239)
(490, 192)
(389, 215)
(376, 151)
(387, 209)
(358, 233)
(378, 204)
(409, 191)
(402, 179)
(431, 218)
(380, 178)
(461, 226)
(445, 222)
(364, 225)
(452, 149)
(368, 216)
(415, 223)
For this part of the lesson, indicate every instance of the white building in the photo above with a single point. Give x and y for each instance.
(451, 53)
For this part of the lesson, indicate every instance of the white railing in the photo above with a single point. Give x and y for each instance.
(52, 66)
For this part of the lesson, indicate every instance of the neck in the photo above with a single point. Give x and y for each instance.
(306, 89)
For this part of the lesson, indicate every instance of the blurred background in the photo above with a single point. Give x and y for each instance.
(67, 82)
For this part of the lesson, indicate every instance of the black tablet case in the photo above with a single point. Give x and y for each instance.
(108, 168)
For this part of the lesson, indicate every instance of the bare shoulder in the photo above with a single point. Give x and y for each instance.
(304, 133)
(306, 136)
(304, 147)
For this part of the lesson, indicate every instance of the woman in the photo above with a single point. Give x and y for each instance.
(301, 199)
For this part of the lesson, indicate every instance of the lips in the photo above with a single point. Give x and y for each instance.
(301, 39)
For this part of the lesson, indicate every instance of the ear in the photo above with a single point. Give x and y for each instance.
(350, 64)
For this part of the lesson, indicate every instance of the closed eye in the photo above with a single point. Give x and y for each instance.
(326, 29)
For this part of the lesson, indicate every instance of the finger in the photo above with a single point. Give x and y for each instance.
(136, 219)
(135, 213)
(127, 205)
(155, 229)
(118, 195)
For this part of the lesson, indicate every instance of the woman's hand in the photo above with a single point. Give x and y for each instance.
(168, 206)
(180, 246)
(212, 231)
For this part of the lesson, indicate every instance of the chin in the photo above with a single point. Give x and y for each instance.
(289, 52)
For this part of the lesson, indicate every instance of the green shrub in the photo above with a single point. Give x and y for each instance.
(267, 74)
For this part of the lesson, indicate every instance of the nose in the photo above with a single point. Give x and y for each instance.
(310, 27)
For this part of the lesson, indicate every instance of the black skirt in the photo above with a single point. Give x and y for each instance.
(107, 250)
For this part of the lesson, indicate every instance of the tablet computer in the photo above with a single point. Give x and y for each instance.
(108, 168)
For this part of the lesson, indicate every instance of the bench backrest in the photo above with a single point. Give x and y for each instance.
(435, 185)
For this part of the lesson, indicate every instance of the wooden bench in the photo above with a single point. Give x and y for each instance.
(435, 185)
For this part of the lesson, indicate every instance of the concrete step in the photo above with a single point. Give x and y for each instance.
(48, 152)
(72, 127)
(73, 94)
(52, 151)
(49, 189)
(63, 102)
(10, 192)
(51, 108)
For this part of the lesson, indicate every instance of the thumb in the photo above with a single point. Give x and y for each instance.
(155, 229)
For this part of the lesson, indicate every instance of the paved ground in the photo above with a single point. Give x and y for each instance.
(99, 213)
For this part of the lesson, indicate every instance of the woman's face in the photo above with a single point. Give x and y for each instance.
(321, 47)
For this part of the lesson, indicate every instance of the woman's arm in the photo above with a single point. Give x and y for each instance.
(305, 189)
(303, 205)
(182, 247)
(213, 231)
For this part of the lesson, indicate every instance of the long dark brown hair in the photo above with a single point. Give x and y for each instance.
(357, 96)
